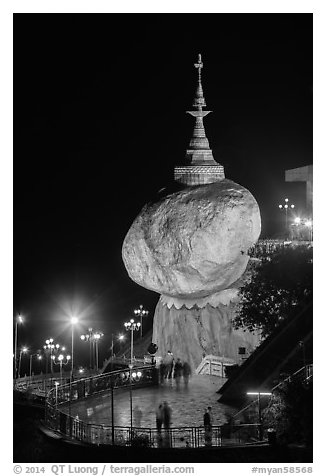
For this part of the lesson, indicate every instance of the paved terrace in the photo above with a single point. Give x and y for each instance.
(187, 404)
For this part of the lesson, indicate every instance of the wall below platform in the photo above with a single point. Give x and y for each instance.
(193, 333)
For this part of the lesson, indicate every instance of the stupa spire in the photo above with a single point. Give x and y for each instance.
(201, 167)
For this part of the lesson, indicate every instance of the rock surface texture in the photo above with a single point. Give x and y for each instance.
(193, 243)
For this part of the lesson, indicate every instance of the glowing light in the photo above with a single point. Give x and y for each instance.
(259, 393)
(74, 320)
(297, 220)
(308, 223)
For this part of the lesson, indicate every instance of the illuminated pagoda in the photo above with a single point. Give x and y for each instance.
(200, 167)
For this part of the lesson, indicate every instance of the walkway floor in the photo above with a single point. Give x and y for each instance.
(187, 404)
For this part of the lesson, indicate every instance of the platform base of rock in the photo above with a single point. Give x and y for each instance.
(193, 333)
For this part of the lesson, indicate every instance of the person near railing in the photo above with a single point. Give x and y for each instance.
(208, 426)
(167, 413)
(159, 417)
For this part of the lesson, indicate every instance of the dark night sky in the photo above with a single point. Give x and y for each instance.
(99, 123)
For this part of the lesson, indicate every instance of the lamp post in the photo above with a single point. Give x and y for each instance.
(19, 320)
(141, 312)
(258, 395)
(120, 338)
(89, 338)
(23, 350)
(132, 326)
(286, 207)
(97, 337)
(56, 393)
(61, 362)
(93, 338)
(73, 321)
(30, 365)
(50, 347)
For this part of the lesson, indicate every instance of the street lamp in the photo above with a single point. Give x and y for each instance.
(97, 337)
(23, 350)
(120, 338)
(19, 320)
(132, 326)
(89, 338)
(51, 347)
(30, 364)
(141, 312)
(73, 321)
(258, 395)
(92, 337)
(61, 362)
(285, 207)
(56, 393)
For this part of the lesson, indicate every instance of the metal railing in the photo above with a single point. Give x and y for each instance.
(86, 387)
(185, 437)
(304, 374)
(59, 419)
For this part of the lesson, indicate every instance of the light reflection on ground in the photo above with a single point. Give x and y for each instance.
(187, 404)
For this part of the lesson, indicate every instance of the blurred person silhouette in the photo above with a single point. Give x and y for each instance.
(137, 416)
(186, 372)
(159, 417)
(178, 368)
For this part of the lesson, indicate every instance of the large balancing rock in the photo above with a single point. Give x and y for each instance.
(194, 242)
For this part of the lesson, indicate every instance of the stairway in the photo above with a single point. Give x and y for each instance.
(214, 365)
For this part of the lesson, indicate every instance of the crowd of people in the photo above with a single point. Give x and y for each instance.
(170, 368)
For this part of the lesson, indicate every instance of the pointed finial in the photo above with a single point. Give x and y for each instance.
(199, 100)
(199, 66)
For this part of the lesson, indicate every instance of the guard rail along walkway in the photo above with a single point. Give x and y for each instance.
(59, 420)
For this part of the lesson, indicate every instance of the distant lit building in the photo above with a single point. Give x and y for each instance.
(302, 228)
(303, 174)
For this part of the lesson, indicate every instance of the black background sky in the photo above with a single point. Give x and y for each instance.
(99, 123)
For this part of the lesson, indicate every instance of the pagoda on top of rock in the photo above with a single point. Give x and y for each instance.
(200, 167)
